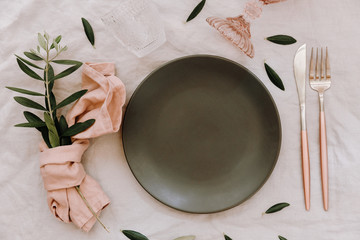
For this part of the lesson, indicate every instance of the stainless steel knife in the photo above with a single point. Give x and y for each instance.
(300, 73)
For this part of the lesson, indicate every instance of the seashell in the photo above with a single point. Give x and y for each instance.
(253, 9)
(236, 30)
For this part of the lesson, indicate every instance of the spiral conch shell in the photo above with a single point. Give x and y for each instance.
(236, 30)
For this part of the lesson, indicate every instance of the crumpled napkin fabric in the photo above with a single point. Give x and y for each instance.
(61, 166)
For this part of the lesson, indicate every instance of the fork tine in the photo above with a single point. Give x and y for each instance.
(311, 69)
(317, 65)
(322, 64)
(327, 63)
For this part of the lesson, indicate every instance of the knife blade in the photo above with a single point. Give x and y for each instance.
(300, 72)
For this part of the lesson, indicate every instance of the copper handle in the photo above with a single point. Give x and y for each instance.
(305, 168)
(324, 161)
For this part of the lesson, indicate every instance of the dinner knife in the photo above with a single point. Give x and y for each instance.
(300, 72)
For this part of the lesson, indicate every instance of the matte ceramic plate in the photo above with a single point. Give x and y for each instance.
(201, 134)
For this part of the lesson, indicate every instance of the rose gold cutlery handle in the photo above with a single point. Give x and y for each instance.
(324, 161)
(305, 167)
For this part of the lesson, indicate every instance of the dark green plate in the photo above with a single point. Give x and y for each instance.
(201, 134)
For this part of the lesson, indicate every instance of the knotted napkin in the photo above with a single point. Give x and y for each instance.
(61, 166)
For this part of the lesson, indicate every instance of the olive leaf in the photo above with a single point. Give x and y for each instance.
(196, 11)
(190, 237)
(78, 128)
(31, 124)
(50, 77)
(277, 207)
(73, 97)
(282, 238)
(42, 41)
(227, 237)
(67, 62)
(27, 70)
(28, 63)
(33, 56)
(29, 103)
(66, 72)
(57, 40)
(43, 130)
(63, 126)
(274, 77)
(133, 235)
(282, 39)
(88, 31)
(53, 134)
(24, 91)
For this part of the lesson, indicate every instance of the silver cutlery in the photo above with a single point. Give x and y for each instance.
(320, 81)
(300, 72)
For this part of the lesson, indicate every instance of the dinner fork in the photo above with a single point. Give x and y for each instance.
(320, 80)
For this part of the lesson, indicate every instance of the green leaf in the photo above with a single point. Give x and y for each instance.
(133, 235)
(282, 238)
(42, 41)
(274, 77)
(33, 56)
(67, 62)
(31, 117)
(282, 39)
(31, 124)
(24, 91)
(196, 11)
(29, 63)
(66, 72)
(50, 77)
(277, 207)
(73, 97)
(57, 40)
(78, 128)
(29, 103)
(227, 237)
(63, 126)
(27, 70)
(190, 237)
(53, 134)
(44, 131)
(88, 31)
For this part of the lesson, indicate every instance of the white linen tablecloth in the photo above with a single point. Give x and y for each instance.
(24, 213)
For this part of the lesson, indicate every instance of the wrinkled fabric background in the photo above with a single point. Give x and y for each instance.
(23, 210)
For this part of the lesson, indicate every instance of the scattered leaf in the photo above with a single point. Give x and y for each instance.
(33, 56)
(29, 103)
(53, 134)
(274, 77)
(24, 91)
(282, 39)
(190, 237)
(132, 235)
(27, 70)
(88, 31)
(227, 237)
(31, 124)
(78, 128)
(196, 11)
(277, 207)
(73, 97)
(282, 238)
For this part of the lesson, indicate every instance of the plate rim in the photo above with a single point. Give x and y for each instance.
(261, 84)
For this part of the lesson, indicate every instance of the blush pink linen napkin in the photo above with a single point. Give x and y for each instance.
(61, 166)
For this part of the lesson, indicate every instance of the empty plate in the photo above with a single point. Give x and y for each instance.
(201, 134)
